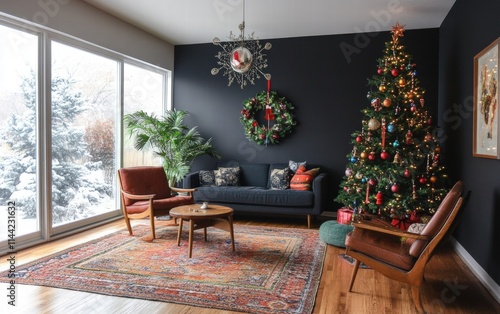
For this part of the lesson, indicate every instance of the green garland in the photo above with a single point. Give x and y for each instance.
(281, 126)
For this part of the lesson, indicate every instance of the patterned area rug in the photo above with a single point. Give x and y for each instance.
(273, 270)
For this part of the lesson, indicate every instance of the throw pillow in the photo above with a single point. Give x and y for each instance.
(227, 176)
(294, 165)
(207, 177)
(302, 179)
(280, 179)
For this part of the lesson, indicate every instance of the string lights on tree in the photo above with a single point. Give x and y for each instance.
(395, 168)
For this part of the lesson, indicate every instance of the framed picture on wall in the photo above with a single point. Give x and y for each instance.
(486, 139)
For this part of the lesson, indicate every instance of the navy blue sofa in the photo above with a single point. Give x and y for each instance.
(254, 194)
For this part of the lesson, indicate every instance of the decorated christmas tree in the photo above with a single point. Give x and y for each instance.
(394, 169)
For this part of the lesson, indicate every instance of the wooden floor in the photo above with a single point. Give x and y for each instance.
(449, 288)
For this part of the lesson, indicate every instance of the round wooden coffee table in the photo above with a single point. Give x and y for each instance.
(217, 216)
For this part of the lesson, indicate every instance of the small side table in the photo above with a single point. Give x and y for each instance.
(217, 216)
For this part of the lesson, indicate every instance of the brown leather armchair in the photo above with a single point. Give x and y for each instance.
(401, 255)
(145, 192)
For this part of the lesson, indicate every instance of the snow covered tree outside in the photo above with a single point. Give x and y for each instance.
(84, 93)
(77, 184)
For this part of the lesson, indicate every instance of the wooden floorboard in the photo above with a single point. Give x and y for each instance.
(449, 287)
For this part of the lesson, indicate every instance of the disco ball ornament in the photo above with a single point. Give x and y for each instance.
(241, 60)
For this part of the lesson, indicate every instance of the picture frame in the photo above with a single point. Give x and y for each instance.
(486, 137)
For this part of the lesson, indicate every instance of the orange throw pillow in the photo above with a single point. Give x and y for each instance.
(302, 179)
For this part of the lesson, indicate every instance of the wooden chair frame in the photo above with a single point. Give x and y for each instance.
(147, 213)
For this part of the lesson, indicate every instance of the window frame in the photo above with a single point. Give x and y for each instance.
(45, 36)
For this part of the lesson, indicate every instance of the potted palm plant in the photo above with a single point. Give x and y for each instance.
(169, 138)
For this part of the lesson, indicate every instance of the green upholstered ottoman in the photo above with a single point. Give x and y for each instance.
(334, 233)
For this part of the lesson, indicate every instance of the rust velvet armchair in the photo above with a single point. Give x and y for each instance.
(401, 255)
(145, 192)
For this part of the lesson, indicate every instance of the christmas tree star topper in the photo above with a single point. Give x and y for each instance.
(397, 31)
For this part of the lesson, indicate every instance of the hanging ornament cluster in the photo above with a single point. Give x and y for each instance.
(395, 168)
(278, 116)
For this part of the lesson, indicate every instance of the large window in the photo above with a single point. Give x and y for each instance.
(84, 94)
(143, 90)
(61, 106)
(19, 124)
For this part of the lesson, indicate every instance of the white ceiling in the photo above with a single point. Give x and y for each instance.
(199, 21)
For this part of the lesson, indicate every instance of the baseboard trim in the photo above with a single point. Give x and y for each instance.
(477, 270)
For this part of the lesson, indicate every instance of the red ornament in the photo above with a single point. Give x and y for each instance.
(395, 188)
(379, 198)
(371, 156)
(423, 180)
(384, 155)
(359, 139)
(380, 70)
(395, 72)
(407, 173)
(372, 182)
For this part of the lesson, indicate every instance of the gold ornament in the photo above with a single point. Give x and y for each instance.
(382, 88)
(373, 124)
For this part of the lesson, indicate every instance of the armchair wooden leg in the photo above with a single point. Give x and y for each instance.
(129, 227)
(309, 220)
(353, 275)
(152, 219)
(415, 291)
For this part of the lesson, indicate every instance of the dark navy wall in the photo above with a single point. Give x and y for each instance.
(468, 29)
(327, 89)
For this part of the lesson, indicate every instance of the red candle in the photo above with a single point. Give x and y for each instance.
(268, 85)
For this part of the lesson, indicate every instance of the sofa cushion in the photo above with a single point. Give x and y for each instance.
(227, 176)
(303, 179)
(280, 179)
(207, 177)
(294, 165)
(254, 196)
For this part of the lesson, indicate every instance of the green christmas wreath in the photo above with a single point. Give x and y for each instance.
(279, 116)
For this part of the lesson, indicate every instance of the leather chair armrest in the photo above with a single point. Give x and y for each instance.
(138, 197)
(179, 190)
(386, 229)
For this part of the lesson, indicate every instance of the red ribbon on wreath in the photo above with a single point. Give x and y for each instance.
(269, 111)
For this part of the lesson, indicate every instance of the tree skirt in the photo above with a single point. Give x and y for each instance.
(273, 270)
